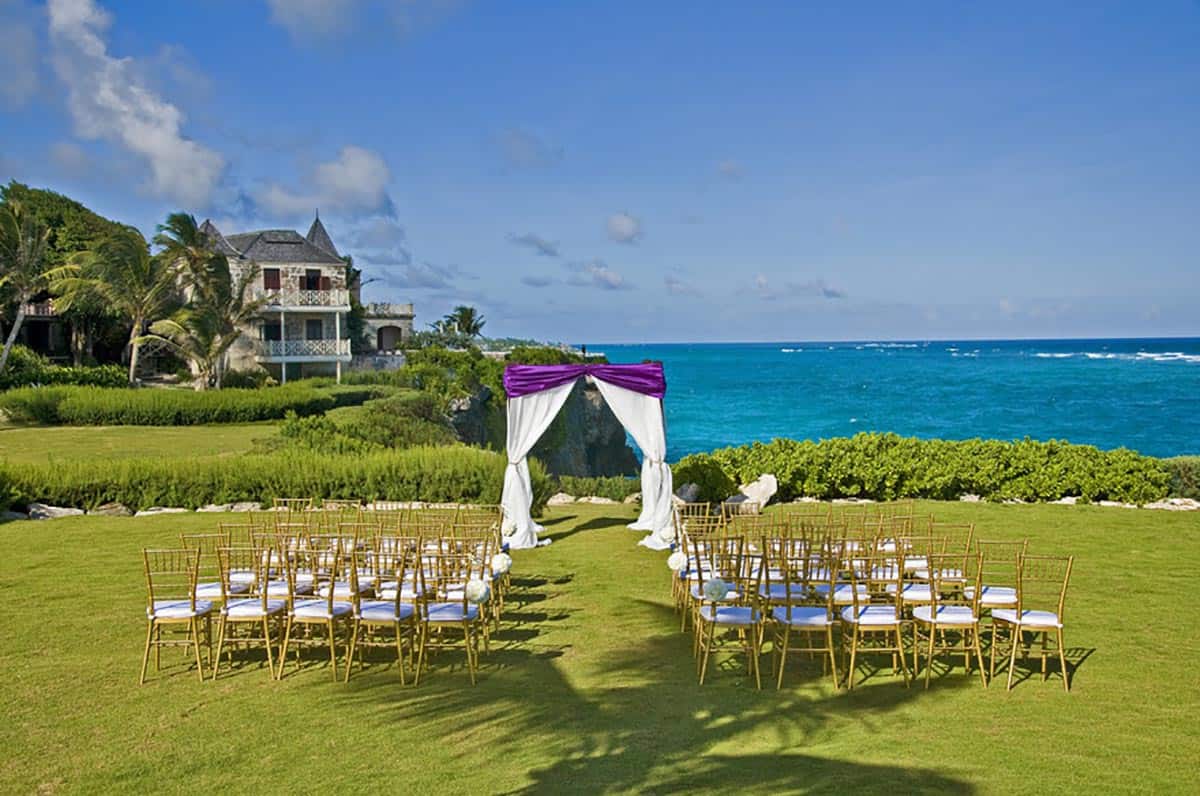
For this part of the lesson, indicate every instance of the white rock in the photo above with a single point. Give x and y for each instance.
(1069, 500)
(1014, 502)
(596, 500)
(853, 500)
(636, 497)
(1174, 504)
(5, 516)
(244, 506)
(111, 510)
(560, 499)
(216, 507)
(1117, 504)
(969, 498)
(688, 493)
(807, 500)
(759, 491)
(41, 511)
(154, 510)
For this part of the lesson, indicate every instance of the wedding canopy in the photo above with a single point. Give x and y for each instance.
(633, 392)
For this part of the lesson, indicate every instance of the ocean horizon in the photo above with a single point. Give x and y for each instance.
(1138, 393)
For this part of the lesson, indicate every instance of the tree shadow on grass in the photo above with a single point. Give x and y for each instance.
(596, 524)
(645, 724)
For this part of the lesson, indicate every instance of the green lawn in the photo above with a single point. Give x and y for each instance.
(590, 686)
(40, 444)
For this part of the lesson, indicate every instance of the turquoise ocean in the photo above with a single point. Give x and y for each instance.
(1141, 393)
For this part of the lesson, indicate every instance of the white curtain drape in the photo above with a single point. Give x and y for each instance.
(528, 418)
(642, 417)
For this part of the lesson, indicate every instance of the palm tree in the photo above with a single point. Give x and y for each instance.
(204, 331)
(23, 245)
(466, 320)
(185, 245)
(122, 274)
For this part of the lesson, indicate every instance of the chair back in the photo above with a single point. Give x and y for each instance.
(170, 575)
(954, 580)
(877, 578)
(245, 572)
(1042, 583)
(1001, 560)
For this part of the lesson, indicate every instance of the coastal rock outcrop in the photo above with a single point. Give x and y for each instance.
(42, 511)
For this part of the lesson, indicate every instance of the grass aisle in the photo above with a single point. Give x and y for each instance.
(590, 686)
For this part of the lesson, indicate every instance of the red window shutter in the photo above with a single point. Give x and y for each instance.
(325, 284)
(271, 279)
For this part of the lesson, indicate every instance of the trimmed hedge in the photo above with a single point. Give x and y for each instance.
(27, 368)
(888, 467)
(1185, 476)
(446, 474)
(98, 406)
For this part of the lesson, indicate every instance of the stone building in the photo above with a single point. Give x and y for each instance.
(301, 331)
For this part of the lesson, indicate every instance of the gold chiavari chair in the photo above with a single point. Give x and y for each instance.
(334, 607)
(251, 610)
(698, 534)
(208, 585)
(396, 562)
(171, 577)
(1041, 598)
(1001, 559)
(728, 602)
(293, 505)
(793, 604)
(953, 609)
(448, 616)
(876, 611)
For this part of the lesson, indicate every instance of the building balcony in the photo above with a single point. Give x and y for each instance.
(383, 310)
(39, 309)
(336, 299)
(325, 350)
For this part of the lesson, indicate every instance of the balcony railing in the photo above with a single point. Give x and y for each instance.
(39, 309)
(377, 309)
(280, 349)
(289, 297)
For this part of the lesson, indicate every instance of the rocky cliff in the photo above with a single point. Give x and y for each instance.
(586, 439)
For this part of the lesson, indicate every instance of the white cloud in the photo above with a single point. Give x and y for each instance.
(539, 245)
(624, 228)
(731, 170)
(305, 19)
(18, 54)
(536, 281)
(597, 274)
(422, 276)
(354, 183)
(524, 150)
(679, 287)
(108, 100)
(814, 288)
(308, 20)
(70, 158)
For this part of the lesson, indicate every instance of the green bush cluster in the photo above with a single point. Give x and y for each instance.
(98, 406)
(448, 474)
(27, 368)
(404, 420)
(615, 487)
(888, 466)
(1185, 476)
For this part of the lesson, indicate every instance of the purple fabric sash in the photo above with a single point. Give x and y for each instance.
(646, 378)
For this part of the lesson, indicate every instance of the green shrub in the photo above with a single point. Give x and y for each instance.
(26, 368)
(888, 466)
(448, 474)
(404, 420)
(1185, 476)
(615, 487)
(246, 379)
(96, 406)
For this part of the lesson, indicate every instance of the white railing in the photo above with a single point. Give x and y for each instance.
(337, 297)
(39, 309)
(274, 349)
(383, 309)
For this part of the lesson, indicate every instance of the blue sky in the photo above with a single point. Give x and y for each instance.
(611, 171)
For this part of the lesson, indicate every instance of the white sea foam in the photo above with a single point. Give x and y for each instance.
(1052, 355)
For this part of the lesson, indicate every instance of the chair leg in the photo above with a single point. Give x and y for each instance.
(399, 653)
(903, 658)
(1012, 660)
(220, 645)
(705, 648)
(332, 649)
(1062, 661)
(929, 658)
(157, 647)
(195, 636)
(832, 656)
(979, 657)
(354, 645)
(468, 642)
(266, 624)
(853, 655)
(146, 654)
(287, 637)
(424, 631)
(781, 655)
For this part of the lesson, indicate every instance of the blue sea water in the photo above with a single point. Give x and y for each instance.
(1142, 394)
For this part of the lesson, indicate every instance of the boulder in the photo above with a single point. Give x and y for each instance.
(247, 505)
(6, 516)
(1069, 500)
(970, 498)
(1174, 504)
(41, 511)
(806, 499)
(636, 497)
(560, 499)
(112, 509)
(596, 500)
(759, 491)
(216, 507)
(155, 510)
(688, 493)
(1117, 504)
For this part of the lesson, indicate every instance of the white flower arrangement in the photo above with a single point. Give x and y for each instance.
(477, 591)
(677, 561)
(501, 563)
(715, 589)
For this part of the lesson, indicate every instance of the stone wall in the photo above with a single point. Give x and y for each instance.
(290, 274)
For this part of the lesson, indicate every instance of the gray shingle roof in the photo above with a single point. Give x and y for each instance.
(209, 230)
(318, 236)
(280, 246)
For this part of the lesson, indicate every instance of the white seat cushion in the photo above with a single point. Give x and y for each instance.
(871, 615)
(451, 612)
(342, 590)
(252, 608)
(178, 609)
(843, 593)
(782, 592)
(383, 611)
(242, 576)
(212, 591)
(319, 609)
(729, 615)
(697, 595)
(946, 615)
(802, 616)
(279, 588)
(913, 592)
(991, 596)
(387, 591)
(1028, 618)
